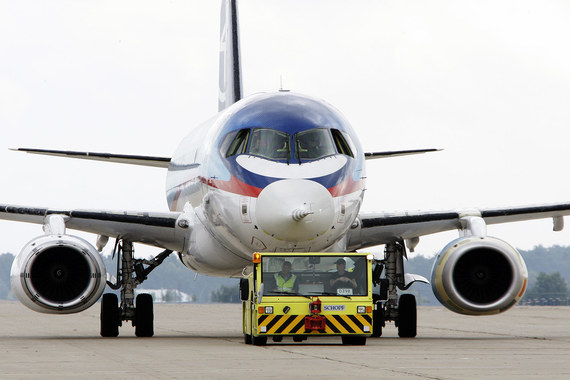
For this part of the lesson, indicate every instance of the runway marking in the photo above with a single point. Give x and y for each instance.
(403, 371)
(478, 332)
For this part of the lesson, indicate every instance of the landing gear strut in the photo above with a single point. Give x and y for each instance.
(131, 272)
(388, 306)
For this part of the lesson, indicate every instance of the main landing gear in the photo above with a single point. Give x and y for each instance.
(130, 273)
(387, 305)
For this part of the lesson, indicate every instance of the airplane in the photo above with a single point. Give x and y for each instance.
(277, 171)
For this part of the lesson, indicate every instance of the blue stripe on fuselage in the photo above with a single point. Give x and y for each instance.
(261, 181)
(290, 113)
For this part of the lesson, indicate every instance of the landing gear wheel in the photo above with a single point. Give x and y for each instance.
(377, 317)
(144, 316)
(110, 316)
(354, 340)
(259, 340)
(407, 316)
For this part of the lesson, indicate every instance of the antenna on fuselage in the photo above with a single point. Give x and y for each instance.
(281, 89)
(230, 88)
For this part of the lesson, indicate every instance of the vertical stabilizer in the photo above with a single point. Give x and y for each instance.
(230, 67)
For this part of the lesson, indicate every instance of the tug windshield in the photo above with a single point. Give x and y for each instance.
(314, 275)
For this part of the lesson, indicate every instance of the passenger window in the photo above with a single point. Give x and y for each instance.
(342, 145)
(269, 143)
(239, 144)
(314, 144)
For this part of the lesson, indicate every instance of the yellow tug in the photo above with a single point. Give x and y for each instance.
(300, 295)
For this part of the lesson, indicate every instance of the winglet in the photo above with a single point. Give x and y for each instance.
(230, 65)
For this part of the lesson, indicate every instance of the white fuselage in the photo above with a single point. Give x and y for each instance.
(244, 198)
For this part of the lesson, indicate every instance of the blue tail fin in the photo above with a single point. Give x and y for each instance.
(230, 67)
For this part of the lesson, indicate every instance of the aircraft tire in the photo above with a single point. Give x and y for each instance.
(377, 317)
(110, 316)
(407, 316)
(144, 316)
(259, 340)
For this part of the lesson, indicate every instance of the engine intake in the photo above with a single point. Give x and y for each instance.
(479, 275)
(58, 274)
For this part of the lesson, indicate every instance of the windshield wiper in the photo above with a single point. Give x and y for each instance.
(297, 149)
(287, 293)
(331, 294)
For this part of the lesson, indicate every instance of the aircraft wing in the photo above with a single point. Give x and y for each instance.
(161, 229)
(158, 162)
(397, 153)
(382, 228)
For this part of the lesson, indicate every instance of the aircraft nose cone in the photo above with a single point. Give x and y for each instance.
(295, 210)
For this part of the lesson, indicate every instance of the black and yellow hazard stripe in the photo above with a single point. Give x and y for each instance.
(295, 324)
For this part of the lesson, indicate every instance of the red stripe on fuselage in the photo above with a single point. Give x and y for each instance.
(234, 185)
(347, 187)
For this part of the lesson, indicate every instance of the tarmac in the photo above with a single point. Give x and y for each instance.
(205, 341)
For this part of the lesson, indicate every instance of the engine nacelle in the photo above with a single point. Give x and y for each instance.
(479, 275)
(58, 274)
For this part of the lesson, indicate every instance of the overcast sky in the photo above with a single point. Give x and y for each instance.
(488, 81)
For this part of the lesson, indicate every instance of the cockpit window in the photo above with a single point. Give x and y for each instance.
(227, 141)
(308, 145)
(342, 146)
(314, 144)
(239, 144)
(269, 143)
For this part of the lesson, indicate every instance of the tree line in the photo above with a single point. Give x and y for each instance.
(548, 276)
(171, 276)
(549, 273)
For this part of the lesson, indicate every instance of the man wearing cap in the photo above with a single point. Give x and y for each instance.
(342, 278)
(285, 281)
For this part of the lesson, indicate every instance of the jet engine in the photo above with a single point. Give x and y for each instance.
(478, 275)
(58, 274)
